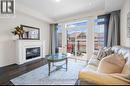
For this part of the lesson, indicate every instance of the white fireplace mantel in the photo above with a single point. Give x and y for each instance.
(21, 46)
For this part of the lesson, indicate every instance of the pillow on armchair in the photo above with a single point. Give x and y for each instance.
(113, 63)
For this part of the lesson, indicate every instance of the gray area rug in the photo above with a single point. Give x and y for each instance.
(40, 76)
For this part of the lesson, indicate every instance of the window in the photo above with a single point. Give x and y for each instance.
(59, 37)
(99, 34)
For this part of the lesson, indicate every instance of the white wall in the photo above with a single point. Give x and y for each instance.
(81, 17)
(125, 41)
(7, 44)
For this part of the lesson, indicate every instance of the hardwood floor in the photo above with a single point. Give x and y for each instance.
(9, 72)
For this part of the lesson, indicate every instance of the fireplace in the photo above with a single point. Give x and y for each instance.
(29, 50)
(32, 52)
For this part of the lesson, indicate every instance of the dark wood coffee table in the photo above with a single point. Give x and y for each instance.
(56, 58)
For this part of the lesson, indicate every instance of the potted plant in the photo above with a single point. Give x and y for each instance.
(18, 31)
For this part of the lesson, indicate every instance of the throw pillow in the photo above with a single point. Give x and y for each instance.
(111, 64)
(103, 52)
(108, 51)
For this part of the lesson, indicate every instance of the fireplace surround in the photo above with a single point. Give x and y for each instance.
(29, 50)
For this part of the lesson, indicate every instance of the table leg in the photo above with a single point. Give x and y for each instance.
(49, 66)
(66, 64)
(52, 63)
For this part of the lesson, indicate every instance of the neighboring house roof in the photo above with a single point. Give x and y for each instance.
(99, 34)
(76, 35)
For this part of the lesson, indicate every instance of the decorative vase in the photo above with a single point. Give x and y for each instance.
(20, 36)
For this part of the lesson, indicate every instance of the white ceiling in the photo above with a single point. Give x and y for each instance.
(66, 8)
(111, 5)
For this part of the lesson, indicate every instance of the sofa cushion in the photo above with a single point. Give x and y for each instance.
(126, 71)
(125, 76)
(97, 78)
(91, 68)
(94, 61)
(112, 64)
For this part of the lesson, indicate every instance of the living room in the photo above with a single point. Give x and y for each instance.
(38, 36)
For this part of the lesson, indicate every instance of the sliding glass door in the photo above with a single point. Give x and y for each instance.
(81, 38)
(98, 36)
(76, 38)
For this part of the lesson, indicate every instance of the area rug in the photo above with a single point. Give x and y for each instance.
(40, 76)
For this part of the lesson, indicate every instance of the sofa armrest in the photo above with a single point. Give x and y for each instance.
(101, 79)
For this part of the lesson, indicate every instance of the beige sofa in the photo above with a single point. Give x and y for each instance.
(89, 75)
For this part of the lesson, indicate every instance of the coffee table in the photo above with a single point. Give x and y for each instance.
(56, 58)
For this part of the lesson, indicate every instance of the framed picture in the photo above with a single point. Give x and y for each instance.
(128, 24)
(31, 33)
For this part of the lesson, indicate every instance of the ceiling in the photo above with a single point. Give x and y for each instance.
(67, 8)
